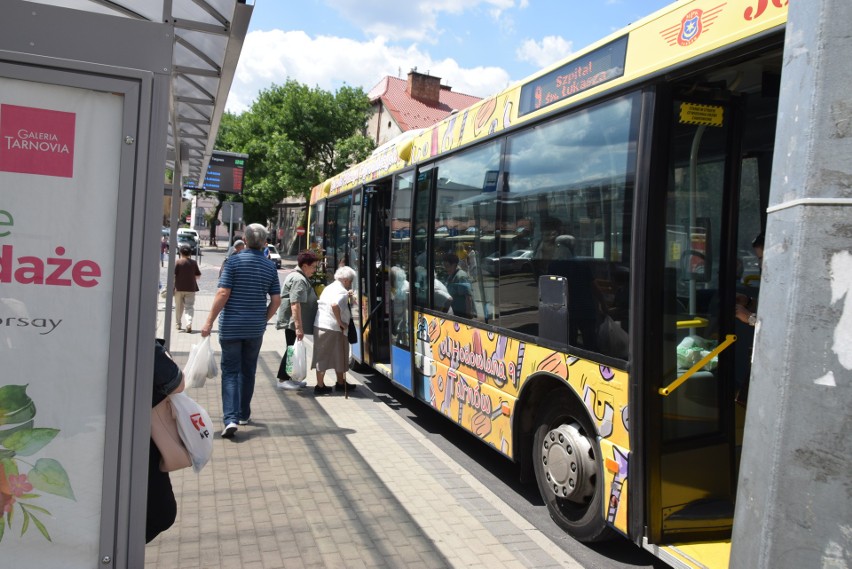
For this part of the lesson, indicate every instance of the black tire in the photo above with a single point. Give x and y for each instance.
(568, 468)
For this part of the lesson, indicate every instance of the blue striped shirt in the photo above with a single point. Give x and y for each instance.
(252, 280)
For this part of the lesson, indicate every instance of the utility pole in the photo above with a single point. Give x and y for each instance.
(793, 501)
(231, 227)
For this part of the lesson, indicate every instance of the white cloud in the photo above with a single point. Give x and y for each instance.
(549, 50)
(415, 20)
(329, 62)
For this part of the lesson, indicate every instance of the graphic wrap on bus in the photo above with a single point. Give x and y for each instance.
(475, 378)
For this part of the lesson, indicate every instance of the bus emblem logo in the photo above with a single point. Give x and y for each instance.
(690, 28)
(693, 24)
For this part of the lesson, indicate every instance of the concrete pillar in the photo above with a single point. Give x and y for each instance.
(793, 503)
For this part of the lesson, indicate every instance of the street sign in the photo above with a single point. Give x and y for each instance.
(300, 231)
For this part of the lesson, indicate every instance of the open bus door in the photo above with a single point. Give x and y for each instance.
(373, 272)
(399, 278)
(712, 179)
(692, 463)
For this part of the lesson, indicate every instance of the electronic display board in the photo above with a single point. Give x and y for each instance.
(595, 68)
(224, 173)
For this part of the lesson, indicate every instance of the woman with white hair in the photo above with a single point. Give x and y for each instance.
(331, 346)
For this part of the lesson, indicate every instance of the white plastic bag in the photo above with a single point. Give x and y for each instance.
(212, 368)
(186, 320)
(300, 363)
(194, 429)
(198, 366)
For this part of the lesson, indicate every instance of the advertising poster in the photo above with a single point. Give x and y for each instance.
(59, 172)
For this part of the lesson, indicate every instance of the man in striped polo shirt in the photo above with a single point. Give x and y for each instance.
(248, 296)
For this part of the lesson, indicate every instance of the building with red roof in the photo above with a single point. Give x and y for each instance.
(400, 105)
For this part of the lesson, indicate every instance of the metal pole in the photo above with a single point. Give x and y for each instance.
(793, 500)
(231, 227)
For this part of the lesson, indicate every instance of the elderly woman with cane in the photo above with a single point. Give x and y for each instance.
(331, 346)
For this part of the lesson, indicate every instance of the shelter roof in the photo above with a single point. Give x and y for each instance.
(208, 39)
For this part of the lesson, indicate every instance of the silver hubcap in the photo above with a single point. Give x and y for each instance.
(569, 463)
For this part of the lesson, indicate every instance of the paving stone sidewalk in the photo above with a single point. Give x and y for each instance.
(333, 482)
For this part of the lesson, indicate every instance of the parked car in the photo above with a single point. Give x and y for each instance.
(189, 232)
(188, 240)
(519, 261)
(274, 256)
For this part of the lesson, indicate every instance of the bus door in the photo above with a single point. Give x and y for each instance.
(353, 259)
(691, 470)
(375, 329)
(716, 135)
(336, 234)
(399, 279)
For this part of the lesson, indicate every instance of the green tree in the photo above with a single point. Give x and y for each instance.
(295, 137)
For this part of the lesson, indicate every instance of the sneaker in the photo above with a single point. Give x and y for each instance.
(189, 329)
(344, 386)
(244, 422)
(289, 385)
(324, 390)
(302, 383)
(229, 431)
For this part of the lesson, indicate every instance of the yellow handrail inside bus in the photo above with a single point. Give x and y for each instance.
(696, 322)
(666, 391)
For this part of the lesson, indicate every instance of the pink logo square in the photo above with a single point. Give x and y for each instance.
(37, 141)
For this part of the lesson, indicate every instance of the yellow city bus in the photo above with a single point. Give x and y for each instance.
(601, 214)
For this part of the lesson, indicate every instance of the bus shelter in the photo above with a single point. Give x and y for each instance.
(97, 100)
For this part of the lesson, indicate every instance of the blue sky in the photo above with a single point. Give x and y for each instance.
(477, 47)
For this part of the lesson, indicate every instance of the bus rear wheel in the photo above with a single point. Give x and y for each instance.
(568, 469)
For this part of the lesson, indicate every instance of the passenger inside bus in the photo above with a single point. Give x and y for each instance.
(399, 296)
(459, 287)
(746, 315)
(545, 249)
(441, 298)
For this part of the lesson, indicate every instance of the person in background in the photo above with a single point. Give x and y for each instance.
(746, 306)
(472, 262)
(248, 296)
(186, 285)
(161, 506)
(441, 298)
(545, 250)
(238, 246)
(164, 250)
(746, 313)
(459, 287)
(298, 311)
(399, 296)
(331, 346)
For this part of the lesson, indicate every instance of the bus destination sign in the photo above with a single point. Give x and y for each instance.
(595, 68)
